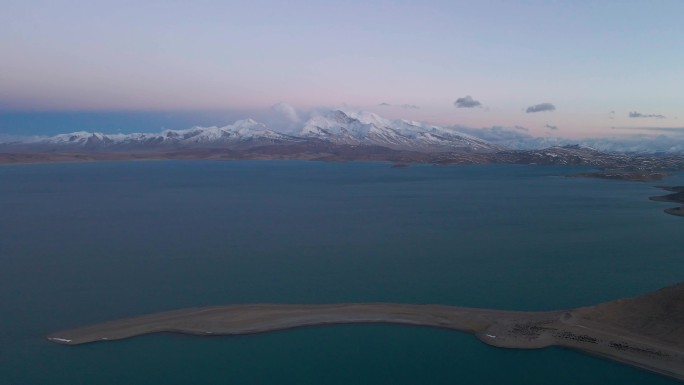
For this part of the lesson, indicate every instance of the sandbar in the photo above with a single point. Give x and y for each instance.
(646, 331)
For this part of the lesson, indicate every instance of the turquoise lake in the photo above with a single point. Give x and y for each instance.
(86, 243)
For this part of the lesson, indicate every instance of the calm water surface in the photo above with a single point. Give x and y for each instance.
(84, 243)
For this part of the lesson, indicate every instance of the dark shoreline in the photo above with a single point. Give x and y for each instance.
(635, 176)
(677, 196)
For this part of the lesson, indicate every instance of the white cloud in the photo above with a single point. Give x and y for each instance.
(287, 111)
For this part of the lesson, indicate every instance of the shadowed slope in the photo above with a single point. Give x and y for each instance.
(658, 315)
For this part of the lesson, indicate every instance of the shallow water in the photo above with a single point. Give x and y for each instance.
(84, 243)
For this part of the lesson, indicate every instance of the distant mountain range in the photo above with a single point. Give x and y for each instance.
(240, 132)
(336, 135)
(336, 127)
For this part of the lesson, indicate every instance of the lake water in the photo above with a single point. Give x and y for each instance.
(85, 243)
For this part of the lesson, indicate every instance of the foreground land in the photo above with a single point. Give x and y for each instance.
(677, 196)
(646, 331)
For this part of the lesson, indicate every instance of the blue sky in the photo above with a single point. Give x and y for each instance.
(108, 66)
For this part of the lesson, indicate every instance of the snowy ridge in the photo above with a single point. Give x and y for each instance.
(342, 127)
(359, 128)
(335, 126)
(239, 132)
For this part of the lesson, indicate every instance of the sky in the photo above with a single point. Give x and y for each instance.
(557, 68)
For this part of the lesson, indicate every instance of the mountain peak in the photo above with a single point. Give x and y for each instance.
(246, 122)
(361, 127)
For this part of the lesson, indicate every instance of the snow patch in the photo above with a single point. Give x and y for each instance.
(59, 339)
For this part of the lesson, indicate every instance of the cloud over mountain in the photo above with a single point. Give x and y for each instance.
(404, 106)
(634, 114)
(286, 111)
(540, 108)
(675, 130)
(467, 102)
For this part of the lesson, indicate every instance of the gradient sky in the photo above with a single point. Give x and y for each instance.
(595, 61)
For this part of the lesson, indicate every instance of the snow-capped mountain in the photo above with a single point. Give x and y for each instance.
(334, 136)
(335, 127)
(81, 138)
(239, 133)
(359, 128)
(339, 127)
(241, 130)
